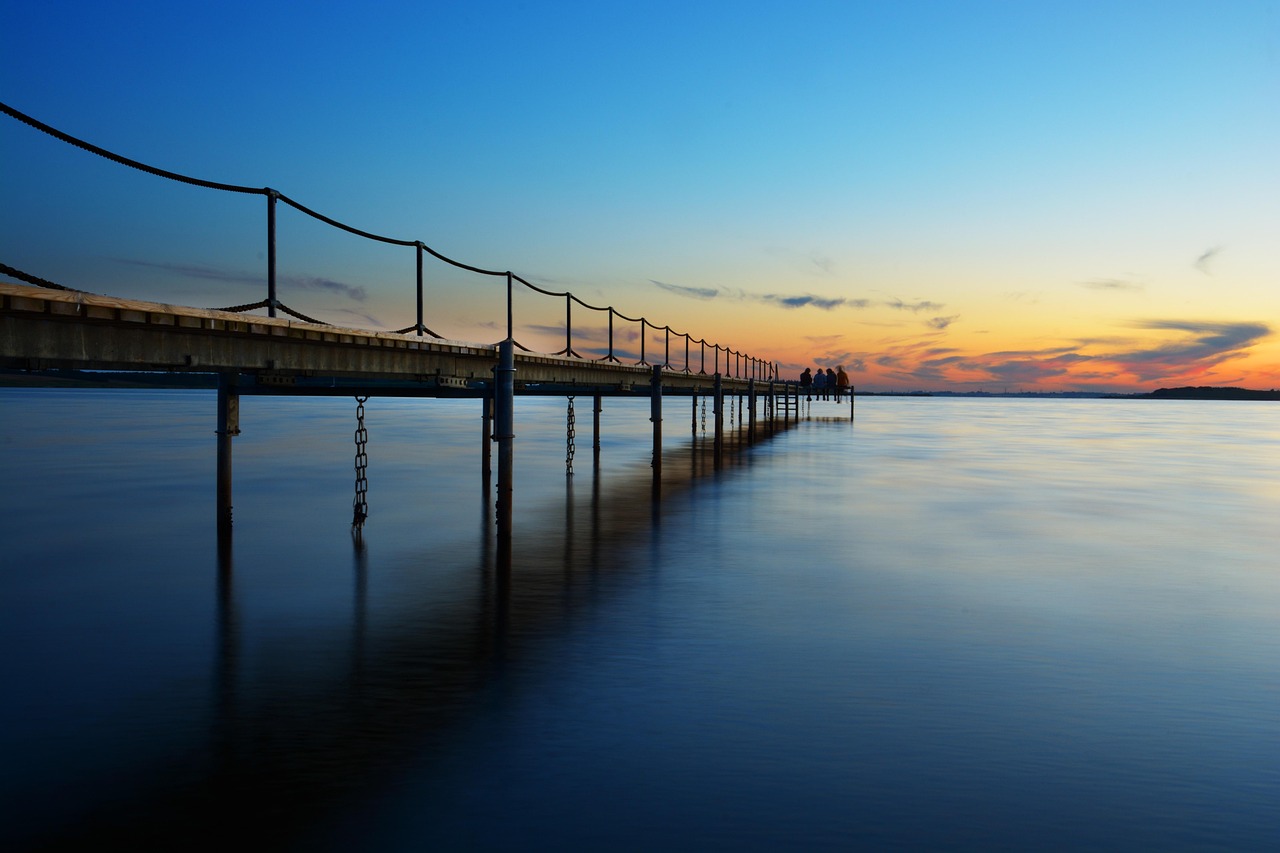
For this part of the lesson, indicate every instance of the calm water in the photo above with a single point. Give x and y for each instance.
(959, 624)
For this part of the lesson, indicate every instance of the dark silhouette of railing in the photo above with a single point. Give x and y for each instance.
(736, 364)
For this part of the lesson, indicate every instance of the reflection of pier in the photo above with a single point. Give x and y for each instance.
(292, 741)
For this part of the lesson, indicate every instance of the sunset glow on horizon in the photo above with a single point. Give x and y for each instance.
(970, 196)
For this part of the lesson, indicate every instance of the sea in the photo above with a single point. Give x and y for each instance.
(930, 623)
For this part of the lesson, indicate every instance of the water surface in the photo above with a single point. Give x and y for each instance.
(962, 624)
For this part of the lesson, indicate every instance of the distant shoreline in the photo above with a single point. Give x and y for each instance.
(142, 379)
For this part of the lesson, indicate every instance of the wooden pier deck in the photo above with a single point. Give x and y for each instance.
(43, 329)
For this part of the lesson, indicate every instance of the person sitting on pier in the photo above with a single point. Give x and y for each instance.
(842, 381)
(820, 384)
(806, 382)
(831, 384)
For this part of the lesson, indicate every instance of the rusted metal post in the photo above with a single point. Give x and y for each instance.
(850, 402)
(228, 426)
(694, 420)
(751, 409)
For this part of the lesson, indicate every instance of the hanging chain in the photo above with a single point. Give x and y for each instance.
(569, 433)
(704, 414)
(731, 410)
(360, 506)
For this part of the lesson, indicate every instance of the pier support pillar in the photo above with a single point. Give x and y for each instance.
(504, 433)
(655, 416)
(751, 411)
(228, 426)
(850, 402)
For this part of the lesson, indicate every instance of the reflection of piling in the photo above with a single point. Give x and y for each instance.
(486, 436)
(718, 401)
(228, 426)
(655, 416)
(504, 434)
(595, 432)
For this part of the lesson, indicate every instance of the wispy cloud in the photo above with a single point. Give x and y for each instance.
(1202, 345)
(804, 301)
(1202, 262)
(1188, 352)
(683, 290)
(913, 307)
(780, 300)
(814, 261)
(373, 321)
(1115, 284)
(355, 292)
(943, 322)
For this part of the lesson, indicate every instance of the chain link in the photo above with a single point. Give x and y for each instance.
(704, 414)
(569, 435)
(360, 506)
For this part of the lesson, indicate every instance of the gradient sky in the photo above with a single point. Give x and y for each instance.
(969, 195)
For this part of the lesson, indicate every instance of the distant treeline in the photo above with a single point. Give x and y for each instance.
(104, 379)
(1205, 392)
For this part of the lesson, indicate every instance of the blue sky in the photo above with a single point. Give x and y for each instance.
(930, 186)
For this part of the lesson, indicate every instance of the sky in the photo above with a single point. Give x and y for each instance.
(998, 196)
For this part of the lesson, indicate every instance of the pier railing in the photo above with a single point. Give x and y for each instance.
(735, 364)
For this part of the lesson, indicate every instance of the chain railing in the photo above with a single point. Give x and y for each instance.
(360, 504)
(744, 366)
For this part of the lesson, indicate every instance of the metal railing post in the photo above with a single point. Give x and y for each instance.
(610, 357)
(568, 325)
(420, 326)
(272, 195)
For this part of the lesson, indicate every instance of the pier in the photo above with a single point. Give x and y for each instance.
(47, 325)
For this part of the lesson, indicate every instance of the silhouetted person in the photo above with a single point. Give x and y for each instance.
(831, 382)
(806, 382)
(842, 381)
(820, 384)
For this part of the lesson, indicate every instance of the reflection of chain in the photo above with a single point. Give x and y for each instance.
(570, 432)
(704, 414)
(360, 506)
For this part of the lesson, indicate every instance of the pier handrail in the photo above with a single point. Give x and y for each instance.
(754, 367)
